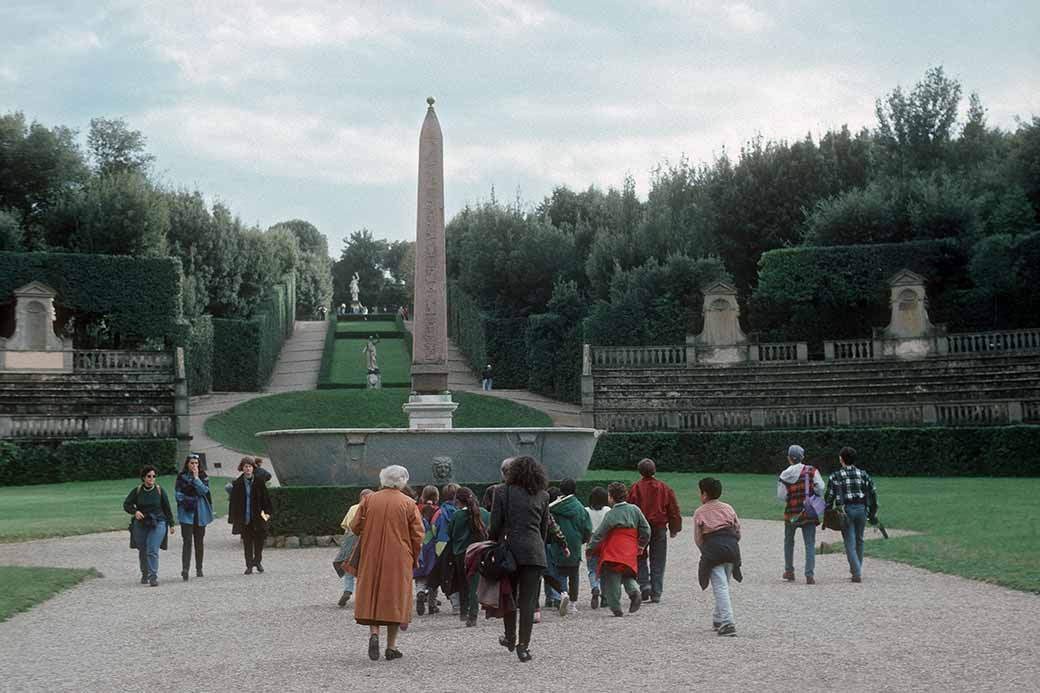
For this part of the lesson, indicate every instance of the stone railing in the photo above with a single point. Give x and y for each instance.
(770, 352)
(38, 427)
(1031, 412)
(801, 418)
(111, 360)
(639, 357)
(848, 350)
(887, 415)
(972, 414)
(989, 342)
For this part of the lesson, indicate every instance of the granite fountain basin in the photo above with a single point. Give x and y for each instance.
(354, 456)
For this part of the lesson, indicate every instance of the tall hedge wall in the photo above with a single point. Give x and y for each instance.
(84, 460)
(139, 297)
(934, 451)
(554, 357)
(482, 339)
(836, 292)
(245, 351)
(198, 353)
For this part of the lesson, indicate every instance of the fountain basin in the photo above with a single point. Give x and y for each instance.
(354, 456)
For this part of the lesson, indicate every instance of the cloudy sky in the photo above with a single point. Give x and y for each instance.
(312, 109)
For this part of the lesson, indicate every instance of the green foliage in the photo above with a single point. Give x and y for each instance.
(328, 354)
(862, 215)
(318, 510)
(812, 294)
(22, 588)
(362, 254)
(554, 342)
(91, 286)
(932, 451)
(198, 353)
(83, 460)
(115, 148)
(11, 233)
(245, 351)
(483, 339)
(350, 364)
(915, 129)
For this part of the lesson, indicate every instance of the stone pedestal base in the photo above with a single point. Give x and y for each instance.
(429, 411)
(36, 361)
(374, 380)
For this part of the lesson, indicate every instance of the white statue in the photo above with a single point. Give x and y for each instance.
(354, 288)
(370, 352)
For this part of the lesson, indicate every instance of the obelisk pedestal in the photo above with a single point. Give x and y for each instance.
(430, 404)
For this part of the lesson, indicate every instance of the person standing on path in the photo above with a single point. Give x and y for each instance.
(853, 489)
(520, 518)
(148, 530)
(390, 531)
(716, 531)
(791, 490)
(576, 525)
(194, 512)
(617, 542)
(485, 378)
(249, 509)
(661, 509)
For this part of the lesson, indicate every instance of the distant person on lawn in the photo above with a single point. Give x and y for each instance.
(716, 531)
(853, 489)
(150, 506)
(661, 509)
(194, 512)
(617, 542)
(791, 491)
(249, 509)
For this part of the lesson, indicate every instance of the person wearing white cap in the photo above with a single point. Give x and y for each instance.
(795, 483)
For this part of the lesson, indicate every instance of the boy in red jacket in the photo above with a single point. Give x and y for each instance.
(657, 501)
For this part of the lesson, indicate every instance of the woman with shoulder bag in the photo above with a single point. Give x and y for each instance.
(194, 512)
(148, 528)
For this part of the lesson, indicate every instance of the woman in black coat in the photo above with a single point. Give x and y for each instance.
(520, 517)
(249, 509)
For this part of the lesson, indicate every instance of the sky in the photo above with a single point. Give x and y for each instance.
(311, 109)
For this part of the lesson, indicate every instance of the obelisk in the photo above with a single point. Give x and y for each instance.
(430, 404)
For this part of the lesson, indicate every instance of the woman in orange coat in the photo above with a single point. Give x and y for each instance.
(391, 531)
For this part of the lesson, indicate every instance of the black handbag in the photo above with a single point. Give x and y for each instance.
(498, 561)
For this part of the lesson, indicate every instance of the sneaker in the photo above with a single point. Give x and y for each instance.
(810, 580)
(634, 603)
(344, 598)
(857, 578)
(728, 630)
(420, 603)
(373, 647)
(715, 625)
(645, 596)
(153, 581)
(595, 599)
(573, 610)
(144, 579)
(564, 606)
(248, 571)
(789, 575)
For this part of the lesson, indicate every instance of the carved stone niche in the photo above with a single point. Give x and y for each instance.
(721, 340)
(35, 346)
(910, 334)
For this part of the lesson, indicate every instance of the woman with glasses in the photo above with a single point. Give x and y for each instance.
(153, 518)
(194, 512)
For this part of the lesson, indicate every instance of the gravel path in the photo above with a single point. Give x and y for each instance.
(901, 628)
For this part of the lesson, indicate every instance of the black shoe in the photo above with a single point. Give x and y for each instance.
(617, 612)
(198, 572)
(508, 644)
(715, 625)
(344, 598)
(373, 647)
(184, 575)
(462, 616)
(249, 571)
(259, 568)
(728, 630)
(645, 595)
(595, 599)
(420, 603)
(392, 654)
(471, 621)
(153, 581)
(522, 653)
(434, 609)
(634, 603)
(144, 579)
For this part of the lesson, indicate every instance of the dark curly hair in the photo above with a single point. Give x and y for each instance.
(527, 474)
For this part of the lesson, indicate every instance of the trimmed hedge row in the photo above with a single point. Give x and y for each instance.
(101, 285)
(991, 451)
(327, 356)
(245, 351)
(554, 357)
(198, 352)
(318, 510)
(483, 340)
(84, 460)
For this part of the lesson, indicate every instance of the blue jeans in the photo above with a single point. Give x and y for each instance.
(486, 383)
(853, 536)
(348, 582)
(148, 540)
(809, 537)
(593, 563)
(723, 612)
(651, 563)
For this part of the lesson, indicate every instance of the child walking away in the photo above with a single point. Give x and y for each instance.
(428, 554)
(441, 573)
(716, 530)
(346, 547)
(467, 526)
(617, 542)
(576, 526)
(597, 510)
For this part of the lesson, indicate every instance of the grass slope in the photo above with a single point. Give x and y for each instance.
(979, 528)
(350, 364)
(78, 507)
(23, 588)
(236, 428)
(367, 327)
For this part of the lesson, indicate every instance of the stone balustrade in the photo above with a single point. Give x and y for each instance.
(58, 427)
(1031, 412)
(639, 357)
(772, 352)
(990, 342)
(848, 350)
(112, 360)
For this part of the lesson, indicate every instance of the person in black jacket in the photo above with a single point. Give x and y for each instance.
(249, 509)
(520, 518)
(153, 518)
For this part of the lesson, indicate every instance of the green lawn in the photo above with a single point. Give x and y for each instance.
(980, 528)
(22, 588)
(78, 507)
(367, 327)
(236, 427)
(350, 362)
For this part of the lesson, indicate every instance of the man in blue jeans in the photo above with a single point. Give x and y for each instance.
(853, 489)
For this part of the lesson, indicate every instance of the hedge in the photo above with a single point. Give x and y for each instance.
(84, 460)
(483, 339)
(554, 357)
(318, 510)
(198, 352)
(818, 293)
(245, 351)
(327, 355)
(139, 297)
(932, 451)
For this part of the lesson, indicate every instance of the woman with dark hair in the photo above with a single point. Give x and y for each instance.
(152, 518)
(194, 512)
(520, 518)
(467, 526)
(249, 509)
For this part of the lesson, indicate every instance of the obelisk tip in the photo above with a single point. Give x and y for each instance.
(430, 100)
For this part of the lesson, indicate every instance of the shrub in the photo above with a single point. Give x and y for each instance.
(198, 351)
(84, 460)
(483, 339)
(932, 451)
(327, 355)
(245, 351)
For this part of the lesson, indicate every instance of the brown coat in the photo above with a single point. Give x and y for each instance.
(391, 532)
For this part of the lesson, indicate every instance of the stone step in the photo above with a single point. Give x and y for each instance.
(658, 389)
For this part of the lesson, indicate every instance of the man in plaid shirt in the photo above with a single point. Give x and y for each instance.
(852, 488)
